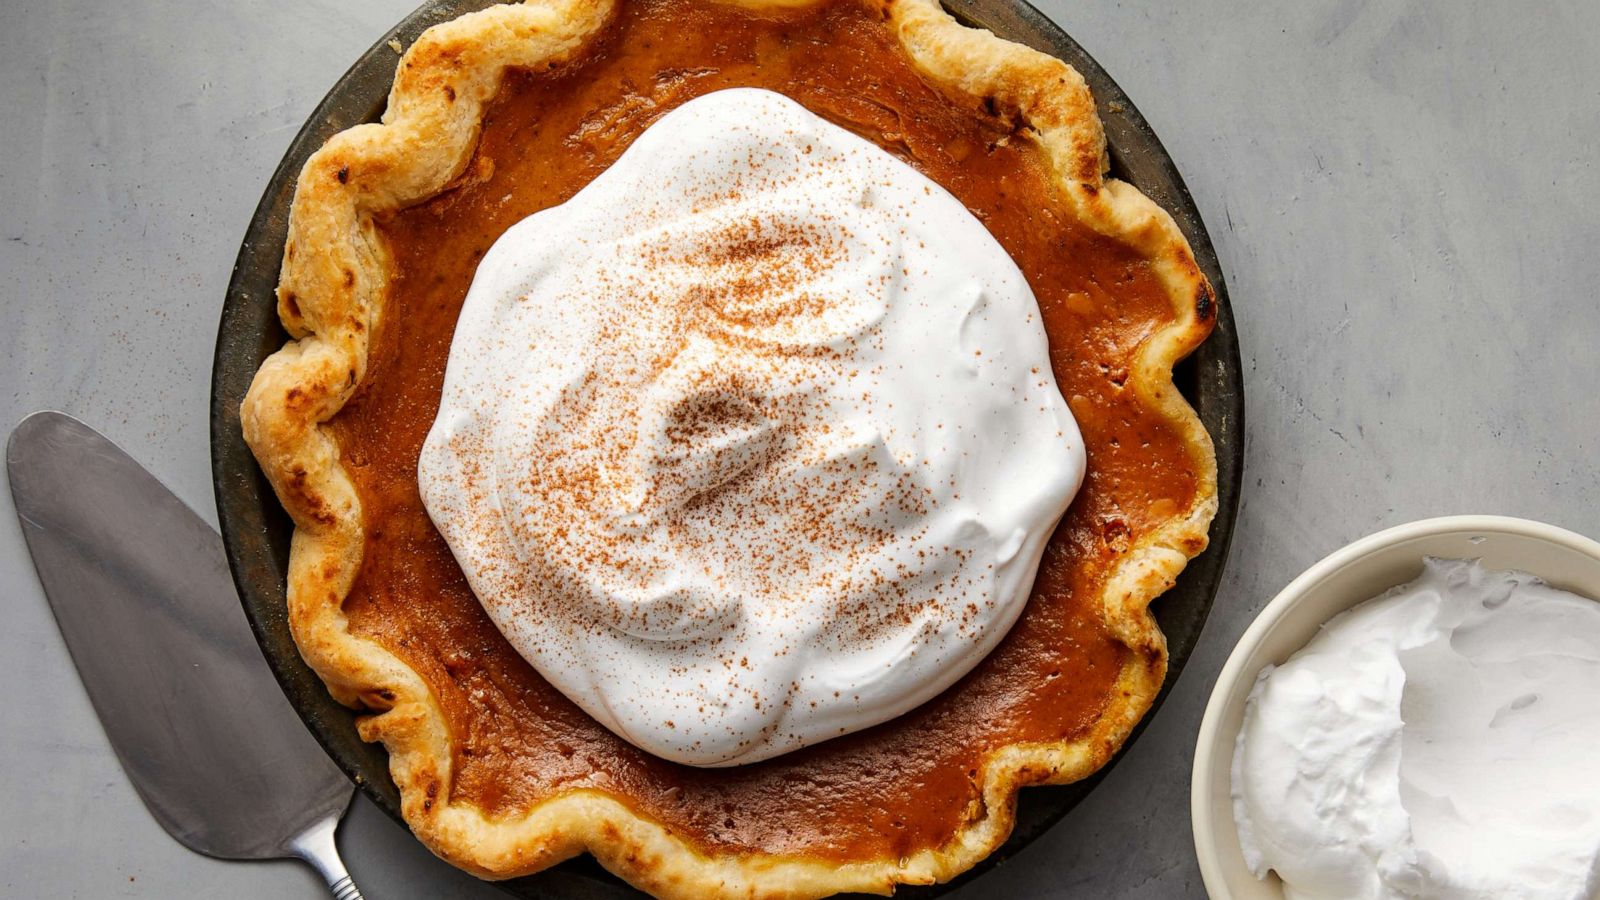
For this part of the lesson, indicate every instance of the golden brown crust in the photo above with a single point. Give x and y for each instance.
(331, 296)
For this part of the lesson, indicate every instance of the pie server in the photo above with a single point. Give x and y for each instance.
(141, 591)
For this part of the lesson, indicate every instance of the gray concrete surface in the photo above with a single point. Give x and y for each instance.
(1404, 196)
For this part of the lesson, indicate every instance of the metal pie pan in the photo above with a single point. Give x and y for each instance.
(256, 530)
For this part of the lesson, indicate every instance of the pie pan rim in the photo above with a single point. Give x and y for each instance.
(232, 482)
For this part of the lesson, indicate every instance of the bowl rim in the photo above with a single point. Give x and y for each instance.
(1207, 739)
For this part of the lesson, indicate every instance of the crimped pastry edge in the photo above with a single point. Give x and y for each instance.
(330, 299)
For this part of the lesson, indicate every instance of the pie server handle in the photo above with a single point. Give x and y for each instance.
(315, 845)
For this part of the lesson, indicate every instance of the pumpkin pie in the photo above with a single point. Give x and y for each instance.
(506, 112)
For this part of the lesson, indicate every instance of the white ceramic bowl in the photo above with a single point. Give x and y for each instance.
(1357, 572)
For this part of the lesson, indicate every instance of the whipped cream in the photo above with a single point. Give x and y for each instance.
(1438, 741)
(754, 442)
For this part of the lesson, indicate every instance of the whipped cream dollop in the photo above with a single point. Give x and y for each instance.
(754, 442)
(1439, 741)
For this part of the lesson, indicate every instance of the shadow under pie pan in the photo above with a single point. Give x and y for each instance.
(257, 531)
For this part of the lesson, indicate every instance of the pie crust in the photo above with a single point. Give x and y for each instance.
(331, 300)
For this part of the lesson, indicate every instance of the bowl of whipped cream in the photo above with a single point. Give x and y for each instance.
(1417, 715)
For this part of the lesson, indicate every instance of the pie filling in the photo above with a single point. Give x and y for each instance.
(892, 789)
(753, 442)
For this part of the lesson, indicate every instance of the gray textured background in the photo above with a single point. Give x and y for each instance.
(1403, 195)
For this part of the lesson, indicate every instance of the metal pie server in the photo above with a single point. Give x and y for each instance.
(140, 588)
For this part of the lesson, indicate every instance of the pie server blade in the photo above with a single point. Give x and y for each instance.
(140, 589)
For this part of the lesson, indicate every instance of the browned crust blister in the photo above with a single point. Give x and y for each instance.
(330, 298)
